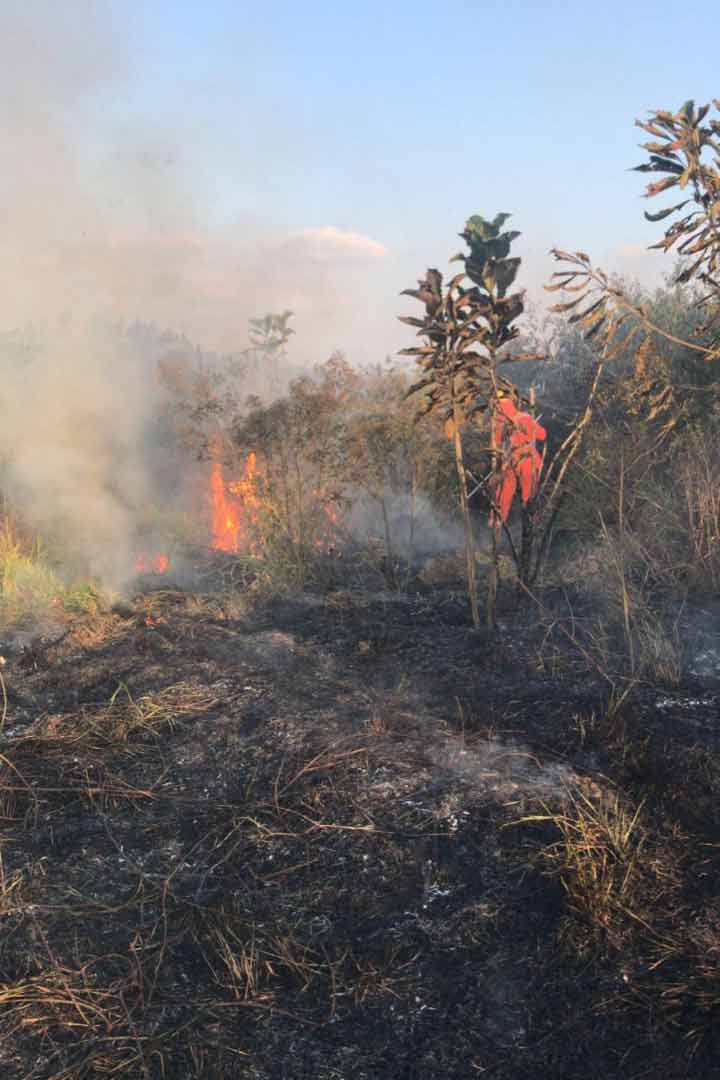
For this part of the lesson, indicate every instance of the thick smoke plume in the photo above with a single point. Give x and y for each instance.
(104, 220)
(76, 402)
(99, 224)
(75, 449)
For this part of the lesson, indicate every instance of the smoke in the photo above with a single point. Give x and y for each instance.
(75, 402)
(102, 219)
(106, 203)
(503, 766)
(74, 447)
(415, 526)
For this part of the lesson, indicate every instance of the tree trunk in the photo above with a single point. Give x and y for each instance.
(526, 542)
(389, 553)
(493, 575)
(411, 536)
(467, 522)
(527, 538)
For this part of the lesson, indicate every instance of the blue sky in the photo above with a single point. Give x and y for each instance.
(389, 121)
(398, 117)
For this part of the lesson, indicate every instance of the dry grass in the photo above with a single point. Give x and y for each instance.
(690, 971)
(698, 476)
(86, 1008)
(628, 872)
(152, 713)
(70, 756)
(598, 857)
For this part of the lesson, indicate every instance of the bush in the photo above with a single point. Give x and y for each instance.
(29, 584)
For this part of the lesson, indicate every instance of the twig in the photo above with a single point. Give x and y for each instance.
(5, 703)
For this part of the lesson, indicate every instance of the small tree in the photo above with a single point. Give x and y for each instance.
(297, 439)
(464, 332)
(388, 456)
(269, 336)
(687, 151)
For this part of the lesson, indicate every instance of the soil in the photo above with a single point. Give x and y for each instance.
(325, 839)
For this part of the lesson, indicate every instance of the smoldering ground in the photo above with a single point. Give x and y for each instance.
(389, 860)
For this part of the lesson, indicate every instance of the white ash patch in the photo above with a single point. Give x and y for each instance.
(683, 702)
(706, 664)
(46, 632)
(397, 787)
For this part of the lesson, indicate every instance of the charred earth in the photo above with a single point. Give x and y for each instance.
(347, 836)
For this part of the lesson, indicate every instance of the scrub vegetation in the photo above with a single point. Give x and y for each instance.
(285, 803)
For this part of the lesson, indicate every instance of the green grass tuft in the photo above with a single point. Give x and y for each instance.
(29, 584)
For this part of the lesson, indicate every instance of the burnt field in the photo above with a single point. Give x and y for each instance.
(347, 835)
(359, 556)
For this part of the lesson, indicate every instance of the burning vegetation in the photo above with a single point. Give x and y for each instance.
(235, 509)
(281, 800)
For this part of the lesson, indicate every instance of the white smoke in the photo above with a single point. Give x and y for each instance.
(101, 220)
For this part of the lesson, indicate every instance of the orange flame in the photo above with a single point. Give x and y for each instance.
(225, 523)
(157, 564)
(236, 512)
(235, 509)
(151, 620)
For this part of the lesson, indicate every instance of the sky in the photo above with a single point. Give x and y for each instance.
(198, 163)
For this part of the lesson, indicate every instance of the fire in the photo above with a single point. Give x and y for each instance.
(156, 564)
(152, 620)
(326, 540)
(235, 508)
(225, 522)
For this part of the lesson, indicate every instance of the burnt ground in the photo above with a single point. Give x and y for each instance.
(347, 836)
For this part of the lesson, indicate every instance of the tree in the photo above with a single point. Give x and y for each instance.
(389, 457)
(269, 336)
(297, 440)
(464, 332)
(687, 150)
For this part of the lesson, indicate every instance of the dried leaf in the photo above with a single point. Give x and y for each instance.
(661, 185)
(416, 387)
(594, 329)
(568, 306)
(585, 317)
(665, 213)
(690, 272)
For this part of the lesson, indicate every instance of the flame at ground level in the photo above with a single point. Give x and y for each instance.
(236, 507)
(225, 523)
(235, 517)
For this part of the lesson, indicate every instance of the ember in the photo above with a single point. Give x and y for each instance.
(151, 620)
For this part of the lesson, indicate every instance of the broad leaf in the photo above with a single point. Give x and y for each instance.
(665, 213)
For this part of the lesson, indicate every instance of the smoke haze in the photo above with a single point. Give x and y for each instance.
(107, 214)
(98, 223)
